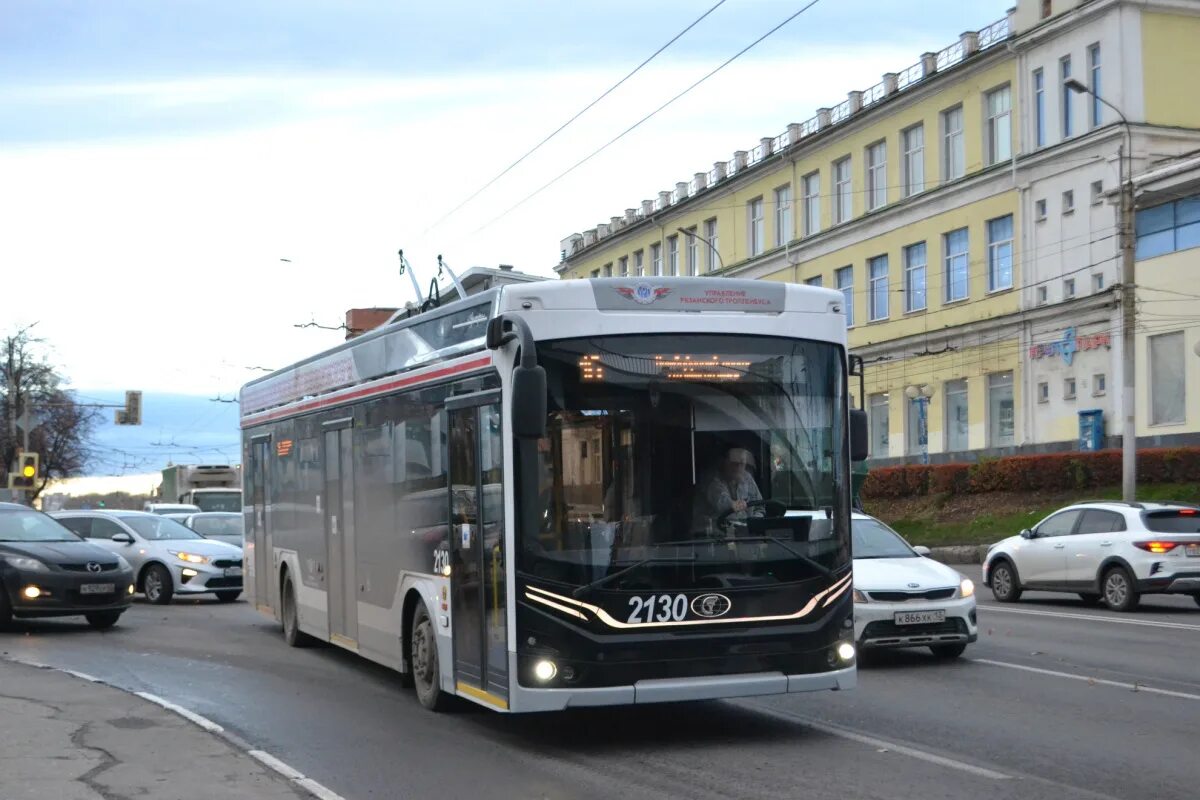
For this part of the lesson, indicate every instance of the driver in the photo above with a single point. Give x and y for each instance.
(730, 487)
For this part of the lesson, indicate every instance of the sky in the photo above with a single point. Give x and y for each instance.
(158, 160)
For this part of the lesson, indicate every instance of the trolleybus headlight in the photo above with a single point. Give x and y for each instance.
(845, 652)
(545, 670)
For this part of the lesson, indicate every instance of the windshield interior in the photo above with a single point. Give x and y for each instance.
(30, 526)
(660, 446)
(157, 528)
(873, 539)
(218, 501)
(218, 525)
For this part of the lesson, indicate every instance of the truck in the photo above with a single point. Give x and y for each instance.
(211, 487)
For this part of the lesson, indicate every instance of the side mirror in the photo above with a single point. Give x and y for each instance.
(123, 538)
(529, 402)
(858, 435)
(922, 550)
(1028, 534)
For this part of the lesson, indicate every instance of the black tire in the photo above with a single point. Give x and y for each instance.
(1091, 599)
(949, 651)
(426, 669)
(157, 585)
(100, 620)
(1120, 592)
(291, 617)
(229, 597)
(1005, 585)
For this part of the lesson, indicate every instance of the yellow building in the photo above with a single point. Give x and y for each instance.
(964, 206)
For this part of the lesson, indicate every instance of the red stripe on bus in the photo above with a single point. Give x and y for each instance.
(398, 383)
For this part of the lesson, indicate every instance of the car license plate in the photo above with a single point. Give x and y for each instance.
(1192, 550)
(97, 588)
(920, 617)
(233, 572)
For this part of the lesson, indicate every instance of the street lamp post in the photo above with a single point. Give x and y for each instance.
(1128, 299)
(714, 250)
(921, 396)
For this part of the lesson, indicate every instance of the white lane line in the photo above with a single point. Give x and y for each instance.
(881, 744)
(1133, 687)
(277, 765)
(318, 790)
(1179, 626)
(83, 676)
(191, 716)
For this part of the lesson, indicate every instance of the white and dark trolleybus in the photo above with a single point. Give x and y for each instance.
(516, 497)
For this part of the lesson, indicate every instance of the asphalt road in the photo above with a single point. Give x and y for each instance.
(1057, 700)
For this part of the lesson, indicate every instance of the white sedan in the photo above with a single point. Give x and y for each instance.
(903, 599)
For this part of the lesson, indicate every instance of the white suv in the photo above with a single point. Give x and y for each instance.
(1104, 551)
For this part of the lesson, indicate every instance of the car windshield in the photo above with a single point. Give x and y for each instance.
(159, 528)
(677, 457)
(219, 501)
(873, 539)
(32, 526)
(218, 525)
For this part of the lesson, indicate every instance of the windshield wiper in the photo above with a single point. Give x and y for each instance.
(587, 587)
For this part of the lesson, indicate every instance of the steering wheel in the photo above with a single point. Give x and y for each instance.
(774, 509)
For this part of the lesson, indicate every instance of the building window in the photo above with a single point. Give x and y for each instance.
(623, 266)
(1039, 210)
(608, 270)
(957, 425)
(815, 280)
(914, 277)
(1068, 201)
(878, 274)
(914, 160)
(845, 281)
(1041, 295)
(1068, 288)
(1000, 253)
(954, 246)
(1094, 69)
(712, 258)
(1045, 8)
(1167, 388)
(1069, 389)
(692, 253)
(1064, 72)
(673, 255)
(812, 203)
(783, 215)
(1097, 283)
(1097, 192)
(596, 273)
(639, 268)
(1099, 385)
(999, 125)
(916, 435)
(843, 200)
(656, 259)
(1043, 392)
(757, 228)
(1039, 108)
(1168, 228)
(953, 159)
(876, 176)
(1002, 421)
(878, 420)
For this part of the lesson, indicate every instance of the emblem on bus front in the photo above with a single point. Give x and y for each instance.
(643, 293)
(711, 605)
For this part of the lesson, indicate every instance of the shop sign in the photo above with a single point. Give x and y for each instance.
(1069, 345)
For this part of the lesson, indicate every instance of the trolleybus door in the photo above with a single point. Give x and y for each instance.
(478, 604)
(257, 532)
(341, 580)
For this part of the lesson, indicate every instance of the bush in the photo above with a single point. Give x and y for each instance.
(1053, 471)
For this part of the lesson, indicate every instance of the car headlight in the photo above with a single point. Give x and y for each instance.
(27, 564)
(859, 597)
(966, 588)
(190, 558)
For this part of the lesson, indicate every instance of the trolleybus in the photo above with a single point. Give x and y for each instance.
(573, 493)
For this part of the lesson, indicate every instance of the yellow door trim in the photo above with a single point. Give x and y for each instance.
(480, 694)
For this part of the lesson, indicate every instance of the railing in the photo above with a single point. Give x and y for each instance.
(993, 34)
(950, 56)
(873, 95)
(910, 76)
(840, 112)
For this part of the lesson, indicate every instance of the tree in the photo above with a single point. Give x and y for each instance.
(61, 427)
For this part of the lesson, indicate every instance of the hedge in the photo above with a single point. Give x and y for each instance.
(1054, 471)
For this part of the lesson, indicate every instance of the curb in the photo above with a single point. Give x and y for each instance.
(959, 554)
(293, 776)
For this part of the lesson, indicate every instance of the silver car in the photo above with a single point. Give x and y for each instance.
(168, 558)
(224, 526)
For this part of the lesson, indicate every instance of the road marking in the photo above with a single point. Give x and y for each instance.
(191, 716)
(1133, 687)
(277, 765)
(82, 676)
(881, 744)
(1181, 626)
